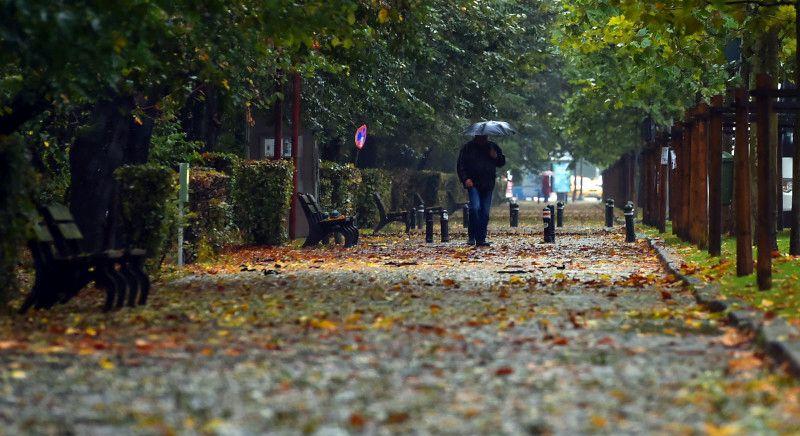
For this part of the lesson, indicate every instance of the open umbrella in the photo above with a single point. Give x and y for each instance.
(490, 128)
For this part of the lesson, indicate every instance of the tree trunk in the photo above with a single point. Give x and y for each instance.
(115, 138)
(794, 238)
(201, 117)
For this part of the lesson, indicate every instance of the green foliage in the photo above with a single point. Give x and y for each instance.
(372, 180)
(211, 215)
(15, 203)
(169, 147)
(338, 187)
(419, 84)
(222, 162)
(148, 195)
(261, 194)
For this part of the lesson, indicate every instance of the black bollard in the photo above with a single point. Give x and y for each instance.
(610, 212)
(552, 222)
(420, 216)
(465, 218)
(560, 214)
(513, 209)
(444, 221)
(429, 226)
(412, 218)
(630, 233)
(547, 217)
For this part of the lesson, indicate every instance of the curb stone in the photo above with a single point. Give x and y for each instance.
(776, 337)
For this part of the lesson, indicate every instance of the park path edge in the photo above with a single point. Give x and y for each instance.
(774, 336)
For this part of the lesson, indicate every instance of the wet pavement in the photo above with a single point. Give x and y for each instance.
(588, 335)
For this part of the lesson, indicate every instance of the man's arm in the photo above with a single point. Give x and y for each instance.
(500, 160)
(461, 169)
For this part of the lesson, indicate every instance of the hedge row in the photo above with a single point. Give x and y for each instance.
(261, 195)
(349, 190)
(148, 197)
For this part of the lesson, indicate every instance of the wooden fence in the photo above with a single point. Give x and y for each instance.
(677, 175)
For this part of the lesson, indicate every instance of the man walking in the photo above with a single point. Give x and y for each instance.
(477, 164)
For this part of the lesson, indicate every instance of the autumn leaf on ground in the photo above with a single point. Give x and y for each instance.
(744, 362)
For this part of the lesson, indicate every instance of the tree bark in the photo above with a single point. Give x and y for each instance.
(115, 138)
(201, 116)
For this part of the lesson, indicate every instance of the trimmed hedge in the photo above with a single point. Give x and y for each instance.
(15, 202)
(338, 186)
(222, 162)
(210, 214)
(372, 180)
(148, 196)
(261, 194)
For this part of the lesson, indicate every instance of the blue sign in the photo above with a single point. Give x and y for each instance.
(361, 136)
(561, 176)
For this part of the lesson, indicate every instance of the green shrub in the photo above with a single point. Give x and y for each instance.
(15, 203)
(148, 194)
(372, 180)
(222, 162)
(402, 189)
(169, 146)
(211, 215)
(338, 186)
(261, 193)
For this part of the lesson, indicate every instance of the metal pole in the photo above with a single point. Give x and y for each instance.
(183, 198)
(560, 215)
(610, 212)
(630, 233)
(444, 222)
(429, 226)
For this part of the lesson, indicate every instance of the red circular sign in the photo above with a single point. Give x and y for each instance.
(361, 136)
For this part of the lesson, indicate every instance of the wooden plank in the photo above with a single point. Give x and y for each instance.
(741, 180)
(765, 188)
(715, 178)
(700, 222)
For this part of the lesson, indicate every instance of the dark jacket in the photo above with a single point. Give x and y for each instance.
(475, 163)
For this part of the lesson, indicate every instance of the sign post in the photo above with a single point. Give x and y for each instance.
(183, 198)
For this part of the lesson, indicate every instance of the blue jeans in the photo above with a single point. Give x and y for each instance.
(480, 204)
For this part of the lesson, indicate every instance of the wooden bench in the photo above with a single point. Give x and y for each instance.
(322, 226)
(64, 268)
(387, 217)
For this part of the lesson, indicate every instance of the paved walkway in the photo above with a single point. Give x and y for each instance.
(587, 335)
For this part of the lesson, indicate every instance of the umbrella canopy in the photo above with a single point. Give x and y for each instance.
(490, 128)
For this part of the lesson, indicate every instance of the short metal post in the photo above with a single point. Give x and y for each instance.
(546, 218)
(560, 214)
(513, 208)
(630, 233)
(428, 226)
(610, 212)
(552, 231)
(183, 199)
(412, 218)
(444, 222)
(465, 218)
(420, 216)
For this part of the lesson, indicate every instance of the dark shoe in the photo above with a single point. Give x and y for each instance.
(484, 244)
(471, 242)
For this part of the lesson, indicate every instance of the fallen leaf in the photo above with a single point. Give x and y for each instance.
(504, 370)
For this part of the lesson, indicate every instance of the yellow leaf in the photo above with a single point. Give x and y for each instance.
(383, 15)
(598, 421)
(91, 331)
(106, 364)
(324, 324)
(766, 303)
(19, 374)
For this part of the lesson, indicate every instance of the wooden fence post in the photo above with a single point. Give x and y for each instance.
(742, 203)
(766, 189)
(715, 177)
(700, 179)
(685, 167)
